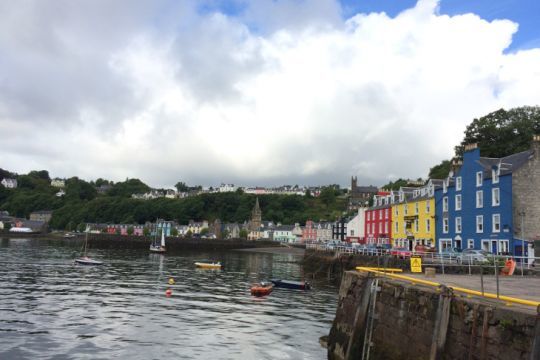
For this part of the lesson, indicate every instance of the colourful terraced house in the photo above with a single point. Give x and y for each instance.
(413, 216)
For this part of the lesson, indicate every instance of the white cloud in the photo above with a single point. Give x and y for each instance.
(212, 98)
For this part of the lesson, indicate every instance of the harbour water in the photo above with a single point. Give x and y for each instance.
(51, 308)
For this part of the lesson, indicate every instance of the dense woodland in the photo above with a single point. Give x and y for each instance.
(498, 134)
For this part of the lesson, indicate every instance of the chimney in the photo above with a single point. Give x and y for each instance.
(456, 164)
(469, 147)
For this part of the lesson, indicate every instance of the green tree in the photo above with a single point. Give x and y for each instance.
(7, 226)
(440, 171)
(130, 230)
(174, 231)
(225, 234)
(328, 195)
(77, 190)
(146, 231)
(81, 227)
(128, 188)
(189, 234)
(502, 132)
(181, 187)
(204, 231)
(243, 234)
(117, 231)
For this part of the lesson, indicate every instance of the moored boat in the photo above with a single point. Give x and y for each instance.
(211, 265)
(158, 248)
(85, 260)
(290, 284)
(261, 289)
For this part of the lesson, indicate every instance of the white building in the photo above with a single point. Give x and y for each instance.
(59, 183)
(356, 226)
(9, 183)
(227, 188)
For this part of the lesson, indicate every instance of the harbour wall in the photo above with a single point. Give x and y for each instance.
(420, 322)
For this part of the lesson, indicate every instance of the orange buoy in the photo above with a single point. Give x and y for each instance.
(168, 293)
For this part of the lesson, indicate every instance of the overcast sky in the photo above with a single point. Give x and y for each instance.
(255, 92)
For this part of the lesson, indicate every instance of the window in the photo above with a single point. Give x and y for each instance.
(386, 213)
(428, 225)
(495, 175)
(397, 210)
(458, 225)
(352, 232)
(416, 225)
(416, 207)
(380, 214)
(405, 209)
(479, 224)
(369, 215)
(479, 199)
(496, 222)
(428, 206)
(445, 204)
(470, 243)
(458, 202)
(458, 183)
(445, 225)
(380, 227)
(444, 187)
(386, 228)
(397, 227)
(479, 178)
(495, 197)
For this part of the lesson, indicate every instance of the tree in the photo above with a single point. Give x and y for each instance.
(130, 230)
(502, 132)
(146, 231)
(81, 227)
(225, 234)
(189, 234)
(117, 231)
(181, 187)
(243, 234)
(42, 174)
(440, 171)
(128, 188)
(174, 231)
(328, 195)
(7, 226)
(204, 231)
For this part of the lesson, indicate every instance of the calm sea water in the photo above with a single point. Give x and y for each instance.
(50, 308)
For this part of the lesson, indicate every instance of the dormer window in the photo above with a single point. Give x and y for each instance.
(458, 183)
(401, 196)
(444, 186)
(479, 178)
(430, 191)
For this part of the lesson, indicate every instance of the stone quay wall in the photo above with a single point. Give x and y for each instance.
(420, 322)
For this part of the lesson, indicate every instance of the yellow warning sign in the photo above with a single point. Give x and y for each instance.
(416, 264)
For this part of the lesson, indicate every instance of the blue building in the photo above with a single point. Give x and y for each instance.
(474, 205)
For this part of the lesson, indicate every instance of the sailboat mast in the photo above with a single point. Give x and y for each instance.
(162, 237)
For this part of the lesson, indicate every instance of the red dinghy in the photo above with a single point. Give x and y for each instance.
(261, 289)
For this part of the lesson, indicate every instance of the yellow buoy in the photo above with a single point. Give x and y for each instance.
(171, 281)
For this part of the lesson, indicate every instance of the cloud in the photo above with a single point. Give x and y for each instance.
(167, 92)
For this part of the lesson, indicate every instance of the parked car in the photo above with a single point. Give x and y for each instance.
(470, 256)
(450, 253)
(424, 249)
(401, 253)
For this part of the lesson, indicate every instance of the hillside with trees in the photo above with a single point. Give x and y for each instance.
(82, 203)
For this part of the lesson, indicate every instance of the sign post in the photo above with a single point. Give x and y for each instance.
(416, 264)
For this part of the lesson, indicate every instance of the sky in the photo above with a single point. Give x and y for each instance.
(256, 92)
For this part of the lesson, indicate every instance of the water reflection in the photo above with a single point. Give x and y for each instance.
(52, 308)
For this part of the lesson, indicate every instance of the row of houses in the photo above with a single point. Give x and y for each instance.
(490, 204)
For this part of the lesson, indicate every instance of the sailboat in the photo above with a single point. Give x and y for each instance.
(158, 248)
(85, 260)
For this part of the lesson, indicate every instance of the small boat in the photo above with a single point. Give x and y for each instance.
(158, 248)
(289, 284)
(69, 235)
(261, 289)
(85, 260)
(211, 265)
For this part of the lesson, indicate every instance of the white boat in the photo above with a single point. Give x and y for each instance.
(85, 260)
(158, 248)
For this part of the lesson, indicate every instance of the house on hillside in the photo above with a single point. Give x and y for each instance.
(41, 215)
(9, 183)
(58, 183)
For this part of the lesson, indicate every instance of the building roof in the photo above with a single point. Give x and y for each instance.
(508, 163)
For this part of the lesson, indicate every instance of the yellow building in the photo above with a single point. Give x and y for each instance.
(413, 216)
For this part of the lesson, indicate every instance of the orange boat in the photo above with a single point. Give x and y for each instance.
(262, 289)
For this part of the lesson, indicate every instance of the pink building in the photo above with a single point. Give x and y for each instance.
(309, 232)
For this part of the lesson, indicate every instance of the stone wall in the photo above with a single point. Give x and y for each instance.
(418, 322)
(526, 197)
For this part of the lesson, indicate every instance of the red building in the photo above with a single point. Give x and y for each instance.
(309, 232)
(378, 224)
